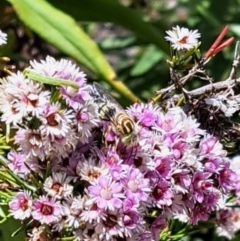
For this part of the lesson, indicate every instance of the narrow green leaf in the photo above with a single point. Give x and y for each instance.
(148, 60)
(113, 11)
(2, 213)
(63, 32)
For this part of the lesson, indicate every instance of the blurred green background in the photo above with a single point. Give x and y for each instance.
(118, 42)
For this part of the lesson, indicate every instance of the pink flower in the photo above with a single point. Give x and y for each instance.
(17, 163)
(64, 69)
(162, 194)
(21, 205)
(157, 226)
(199, 214)
(164, 167)
(211, 145)
(201, 184)
(106, 193)
(46, 210)
(181, 180)
(227, 178)
(136, 185)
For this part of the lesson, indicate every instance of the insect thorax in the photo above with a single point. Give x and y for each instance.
(106, 111)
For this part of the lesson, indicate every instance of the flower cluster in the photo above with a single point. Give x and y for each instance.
(87, 183)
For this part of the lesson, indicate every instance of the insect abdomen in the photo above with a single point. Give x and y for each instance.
(124, 123)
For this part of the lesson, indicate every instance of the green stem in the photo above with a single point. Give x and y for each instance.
(180, 101)
(67, 238)
(122, 89)
(48, 169)
(34, 181)
(5, 218)
(49, 80)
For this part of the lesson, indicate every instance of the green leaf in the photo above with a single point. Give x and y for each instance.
(8, 227)
(235, 28)
(63, 32)
(113, 11)
(148, 60)
(117, 43)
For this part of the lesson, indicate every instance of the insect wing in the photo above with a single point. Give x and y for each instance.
(101, 95)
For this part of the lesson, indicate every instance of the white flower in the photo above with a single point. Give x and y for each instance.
(225, 104)
(58, 185)
(86, 119)
(182, 38)
(56, 122)
(89, 170)
(21, 97)
(72, 209)
(235, 164)
(3, 38)
(21, 205)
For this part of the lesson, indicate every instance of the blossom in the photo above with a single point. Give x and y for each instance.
(87, 118)
(199, 214)
(11, 94)
(86, 233)
(227, 178)
(89, 170)
(145, 114)
(162, 194)
(64, 69)
(182, 38)
(136, 186)
(55, 121)
(227, 105)
(201, 184)
(111, 226)
(3, 38)
(21, 205)
(158, 225)
(181, 179)
(228, 221)
(46, 210)
(38, 233)
(58, 185)
(106, 193)
(72, 209)
(92, 213)
(213, 200)
(17, 163)
(21, 97)
(210, 145)
(30, 142)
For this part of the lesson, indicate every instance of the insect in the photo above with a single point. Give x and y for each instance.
(110, 110)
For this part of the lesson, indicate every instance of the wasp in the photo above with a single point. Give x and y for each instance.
(109, 109)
